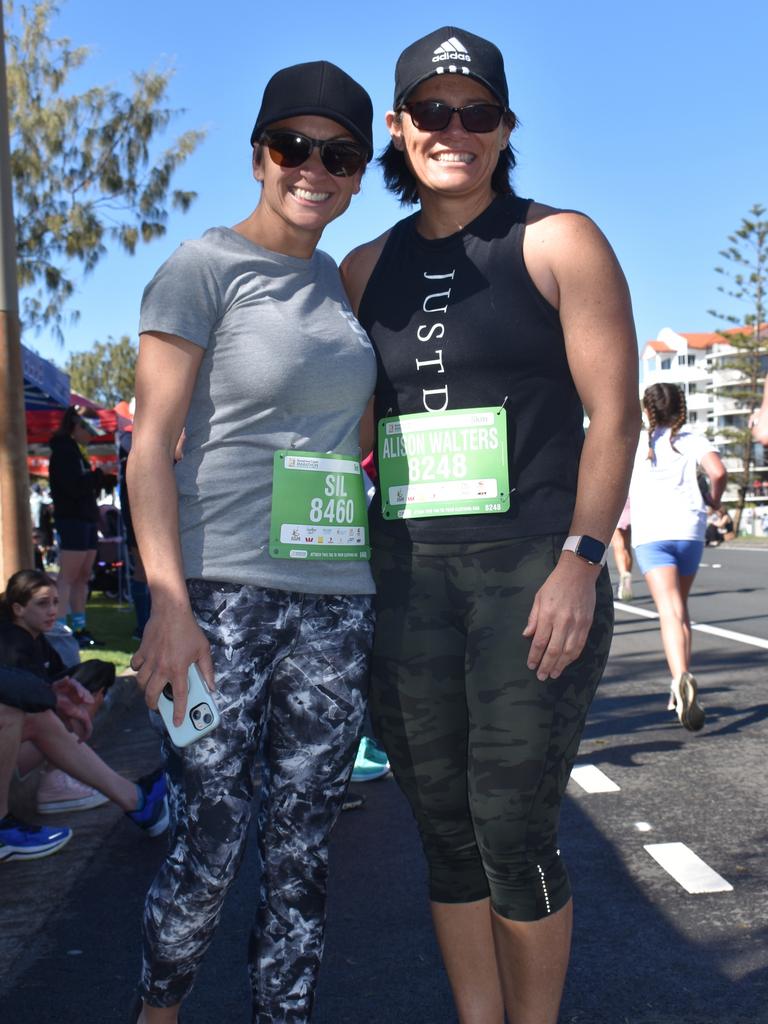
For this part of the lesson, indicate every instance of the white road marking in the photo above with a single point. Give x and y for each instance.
(592, 780)
(643, 826)
(728, 634)
(762, 548)
(688, 869)
(702, 627)
(644, 613)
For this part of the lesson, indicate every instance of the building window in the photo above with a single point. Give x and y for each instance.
(692, 388)
(681, 360)
(693, 417)
(666, 364)
(691, 360)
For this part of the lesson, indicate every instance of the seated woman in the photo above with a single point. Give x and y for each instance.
(51, 722)
(724, 525)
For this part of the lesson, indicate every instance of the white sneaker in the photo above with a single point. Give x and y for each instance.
(625, 587)
(689, 711)
(59, 793)
(672, 702)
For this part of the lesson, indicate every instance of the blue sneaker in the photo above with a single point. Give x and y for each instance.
(370, 763)
(19, 841)
(153, 817)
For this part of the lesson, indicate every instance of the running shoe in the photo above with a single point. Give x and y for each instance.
(689, 711)
(59, 792)
(153, 815)
(625, 587)
(85, 641)
(19, 841)
(371, 761)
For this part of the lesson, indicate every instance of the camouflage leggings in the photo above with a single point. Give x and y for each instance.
(291, 676)
(479, 746)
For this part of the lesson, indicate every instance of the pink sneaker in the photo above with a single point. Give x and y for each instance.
(59, 792)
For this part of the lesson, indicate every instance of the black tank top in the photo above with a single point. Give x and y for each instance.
(458, 323)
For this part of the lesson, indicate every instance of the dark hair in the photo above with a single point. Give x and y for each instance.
(69, 421)
(399, 179)
(666, 407)
(21, 588)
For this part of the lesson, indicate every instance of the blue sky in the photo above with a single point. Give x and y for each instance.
(650, 117)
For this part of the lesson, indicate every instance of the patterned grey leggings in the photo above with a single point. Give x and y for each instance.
(291, 676)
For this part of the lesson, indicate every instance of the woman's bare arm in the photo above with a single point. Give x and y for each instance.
(575, 268)
(165, 376)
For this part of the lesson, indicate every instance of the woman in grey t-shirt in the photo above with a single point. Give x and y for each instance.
(247, 343)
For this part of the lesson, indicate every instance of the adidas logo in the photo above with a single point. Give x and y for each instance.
(451, 49)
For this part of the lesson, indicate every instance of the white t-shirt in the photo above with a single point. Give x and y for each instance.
(664, 494)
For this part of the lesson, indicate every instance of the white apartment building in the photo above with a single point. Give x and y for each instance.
(696, 362)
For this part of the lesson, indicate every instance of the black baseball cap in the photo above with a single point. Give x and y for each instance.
(320, 88)
(450, 51)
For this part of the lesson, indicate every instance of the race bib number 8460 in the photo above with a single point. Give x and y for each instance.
(318, 507)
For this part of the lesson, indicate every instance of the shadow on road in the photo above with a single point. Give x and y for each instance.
(630, 962)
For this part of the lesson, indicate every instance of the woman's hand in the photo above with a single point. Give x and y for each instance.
(561, 616)
(71, 697)
(172, 641)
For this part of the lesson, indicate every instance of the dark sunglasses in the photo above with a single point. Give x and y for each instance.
(340, 157)
(434, 115)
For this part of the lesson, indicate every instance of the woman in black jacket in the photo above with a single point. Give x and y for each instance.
(45, 715)
(74, 486)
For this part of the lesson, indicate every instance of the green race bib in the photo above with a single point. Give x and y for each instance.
(318, 507)
(444, 464)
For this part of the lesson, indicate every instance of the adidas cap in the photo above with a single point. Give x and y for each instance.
(320, 88)
(450, 51)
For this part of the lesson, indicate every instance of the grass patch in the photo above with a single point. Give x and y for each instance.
(112, 623)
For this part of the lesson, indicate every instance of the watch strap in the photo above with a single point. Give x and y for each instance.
(573, 544)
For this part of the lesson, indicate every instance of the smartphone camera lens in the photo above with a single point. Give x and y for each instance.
(201, 716)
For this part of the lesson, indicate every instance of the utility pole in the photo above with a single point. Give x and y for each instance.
(15, 521)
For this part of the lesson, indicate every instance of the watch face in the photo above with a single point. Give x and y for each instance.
(591, 549)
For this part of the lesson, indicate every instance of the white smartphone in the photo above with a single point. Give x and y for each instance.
(201, 717)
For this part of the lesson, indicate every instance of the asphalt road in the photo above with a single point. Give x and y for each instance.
(646, 951)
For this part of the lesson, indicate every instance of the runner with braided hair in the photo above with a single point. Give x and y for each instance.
(662, 402)
(668, 524)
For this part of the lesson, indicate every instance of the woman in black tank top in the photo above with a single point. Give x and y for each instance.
(497, 322)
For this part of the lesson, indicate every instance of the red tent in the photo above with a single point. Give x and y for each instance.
(102, 449)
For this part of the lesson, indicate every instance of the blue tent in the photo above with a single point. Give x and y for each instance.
(45, 385)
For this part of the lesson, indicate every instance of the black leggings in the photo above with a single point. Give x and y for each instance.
(291, 673)
(481, 748)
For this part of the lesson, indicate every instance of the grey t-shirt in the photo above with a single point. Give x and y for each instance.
(286, 365)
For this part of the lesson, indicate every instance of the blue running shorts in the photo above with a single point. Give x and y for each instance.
(685, 554)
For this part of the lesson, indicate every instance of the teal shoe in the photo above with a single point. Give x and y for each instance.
(371, 762)
(371, 751)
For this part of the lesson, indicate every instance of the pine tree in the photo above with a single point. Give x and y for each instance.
(746, 268)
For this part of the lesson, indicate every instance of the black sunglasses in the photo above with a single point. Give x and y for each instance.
(434, 115)
(340, 157)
